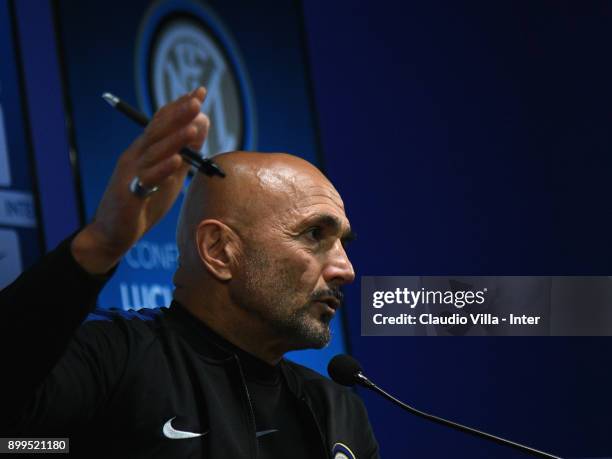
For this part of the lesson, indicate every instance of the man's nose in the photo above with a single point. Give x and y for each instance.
(338, 269)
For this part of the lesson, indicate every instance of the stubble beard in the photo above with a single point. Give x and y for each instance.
(303, 329)
(268, 294)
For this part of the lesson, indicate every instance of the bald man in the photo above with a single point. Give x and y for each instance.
(261, 262)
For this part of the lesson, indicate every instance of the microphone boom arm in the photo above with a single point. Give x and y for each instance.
(364, 381)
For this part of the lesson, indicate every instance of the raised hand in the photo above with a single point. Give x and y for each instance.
(123, 217)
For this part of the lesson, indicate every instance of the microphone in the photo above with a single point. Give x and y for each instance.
(347, 371)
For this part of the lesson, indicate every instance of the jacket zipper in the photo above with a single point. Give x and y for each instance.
(248, 396)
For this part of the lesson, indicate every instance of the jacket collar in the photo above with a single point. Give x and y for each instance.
(216, 349)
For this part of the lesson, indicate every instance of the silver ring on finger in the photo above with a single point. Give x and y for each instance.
(138, 189)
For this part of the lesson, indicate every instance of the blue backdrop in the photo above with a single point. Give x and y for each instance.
(474, 138)
(19, 235)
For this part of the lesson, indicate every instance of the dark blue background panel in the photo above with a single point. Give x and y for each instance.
(474, 138)
(20, 237)
(43, 94)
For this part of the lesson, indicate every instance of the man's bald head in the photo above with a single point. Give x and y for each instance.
(256, 187)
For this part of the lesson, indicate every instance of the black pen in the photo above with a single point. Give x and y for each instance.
(204, 165)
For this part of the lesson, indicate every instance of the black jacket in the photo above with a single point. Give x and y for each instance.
(110, 384)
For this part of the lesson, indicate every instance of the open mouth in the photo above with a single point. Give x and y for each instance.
(324, 313)
(332, 303)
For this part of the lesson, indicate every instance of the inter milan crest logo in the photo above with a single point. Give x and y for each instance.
(341, 451)
(184, 45)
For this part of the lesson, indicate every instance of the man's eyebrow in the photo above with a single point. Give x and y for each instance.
(348, 236)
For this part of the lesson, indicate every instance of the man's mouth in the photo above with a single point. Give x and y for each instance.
(331, 298)
(330, 304)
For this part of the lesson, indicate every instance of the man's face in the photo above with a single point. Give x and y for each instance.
(294, 262)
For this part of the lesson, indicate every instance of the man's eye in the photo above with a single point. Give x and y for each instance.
(315, 233)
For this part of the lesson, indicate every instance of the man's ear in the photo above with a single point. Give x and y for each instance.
(217, 247)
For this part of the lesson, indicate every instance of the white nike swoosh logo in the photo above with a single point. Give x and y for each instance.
(265, 432)
(171, 432)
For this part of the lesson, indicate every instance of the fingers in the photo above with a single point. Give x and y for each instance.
(157, 160)
(158, 172)
(199, 93)
(168, 146)
(193, 135)
(173, 116)
(202, 123)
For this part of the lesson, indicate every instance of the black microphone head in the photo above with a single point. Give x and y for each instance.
(344, 369)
